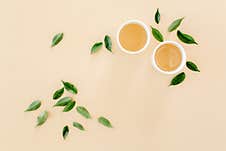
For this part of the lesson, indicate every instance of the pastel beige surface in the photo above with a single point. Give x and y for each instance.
(146, 113)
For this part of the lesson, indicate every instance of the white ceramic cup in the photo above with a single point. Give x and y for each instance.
(183, 54)
(147, 30)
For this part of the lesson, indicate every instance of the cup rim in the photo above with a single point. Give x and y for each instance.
(147, 30)
(183, 61)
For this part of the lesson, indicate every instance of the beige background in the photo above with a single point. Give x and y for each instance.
(146, 113)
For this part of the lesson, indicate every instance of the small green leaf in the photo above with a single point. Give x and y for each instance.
(42, 118)
(70, 87)
(69, 106)
(186, 38)
(173, 26)
(58, 93)
(78, 125)
(96, 47)
(33, 106)
(65, 132)
(156, 33)
(83, 111)
(57, 38)
(192, 66)
(102, 120)
(108, 43)
(157, 16)
(178, 79)
(64, 101)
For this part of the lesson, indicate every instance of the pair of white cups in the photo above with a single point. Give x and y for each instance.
(147, 29)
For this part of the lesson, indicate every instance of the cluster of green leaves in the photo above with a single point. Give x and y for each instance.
(68, 103)
(98, 45)
(185, 38)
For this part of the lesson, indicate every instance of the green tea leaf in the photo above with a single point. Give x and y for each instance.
(192, 66)
(57, 38)
(83, 111)
(69, 106)
(186, 38)
(33, 106)
(65, 132)
(108, 43)
(157, 16)
(178, 79)
(102, 120)
(78, 125)
(58, 93)
(156, 33)
(64, 101)
(41, 119)
(70, 87)
(173, 26)
(96, 47)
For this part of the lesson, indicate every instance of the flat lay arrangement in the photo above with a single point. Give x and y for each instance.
(133, 37)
